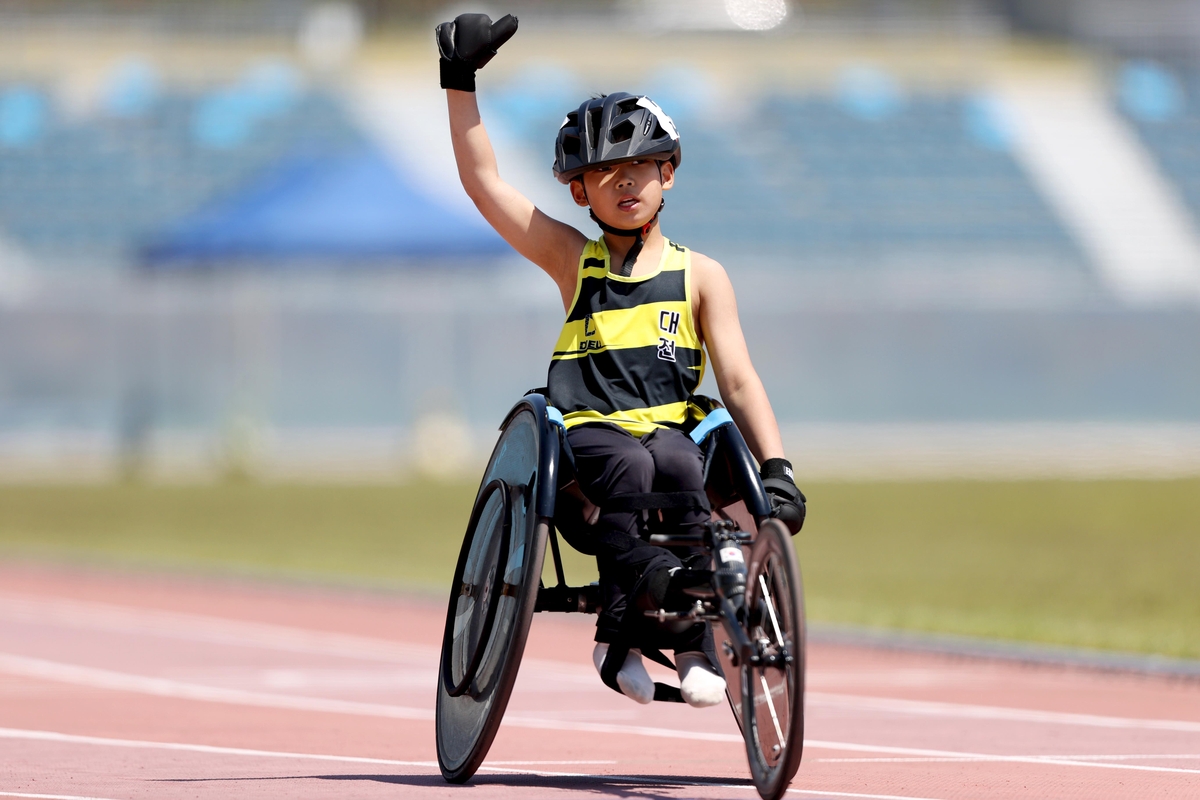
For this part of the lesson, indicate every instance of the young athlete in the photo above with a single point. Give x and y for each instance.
(641, 311)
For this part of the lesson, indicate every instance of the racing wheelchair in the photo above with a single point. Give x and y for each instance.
(754, 605)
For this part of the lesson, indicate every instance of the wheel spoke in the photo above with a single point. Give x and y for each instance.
(771, 610)
(771, 707)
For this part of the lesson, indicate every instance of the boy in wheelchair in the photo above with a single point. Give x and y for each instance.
(641, 311)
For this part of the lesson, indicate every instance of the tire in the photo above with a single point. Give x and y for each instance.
(773, 695)
(491, 602)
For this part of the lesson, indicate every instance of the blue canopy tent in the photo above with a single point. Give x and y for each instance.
(330, 208)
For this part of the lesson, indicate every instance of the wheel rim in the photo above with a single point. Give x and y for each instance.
(771, 686)
(773, 692)
(481, 583)
(467, 723)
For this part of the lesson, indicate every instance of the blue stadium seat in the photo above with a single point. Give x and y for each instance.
(1164, 107)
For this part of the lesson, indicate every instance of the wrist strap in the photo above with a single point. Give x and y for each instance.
(777, 468)
(457, 75)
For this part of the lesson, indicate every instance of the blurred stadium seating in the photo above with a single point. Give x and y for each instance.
(1164, 107)
(231, 257)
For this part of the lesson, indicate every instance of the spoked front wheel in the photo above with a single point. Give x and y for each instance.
(773, 689)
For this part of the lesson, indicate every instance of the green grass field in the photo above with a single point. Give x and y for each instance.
(1106, 564)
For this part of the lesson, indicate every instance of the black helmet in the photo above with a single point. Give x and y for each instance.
(610, 129)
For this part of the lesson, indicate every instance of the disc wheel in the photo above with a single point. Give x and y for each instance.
(773, 690)
(491, 602)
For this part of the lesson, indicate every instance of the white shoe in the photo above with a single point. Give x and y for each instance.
(699, 682)
(633, 679)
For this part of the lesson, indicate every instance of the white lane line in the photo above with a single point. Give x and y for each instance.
(216, 630)
(70, 738)
(857, 794)
(922, 760)
(51, 796)
(549, 763)
(496, 767)
(714, 785)
(164, 687)
(950, 755)
(933, 708)
(205, 629)
(966, 756)
(104, 741)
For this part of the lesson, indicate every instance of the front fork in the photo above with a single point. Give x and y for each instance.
(729, 586)
(727, 602)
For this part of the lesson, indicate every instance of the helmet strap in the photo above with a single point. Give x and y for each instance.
(639, 235)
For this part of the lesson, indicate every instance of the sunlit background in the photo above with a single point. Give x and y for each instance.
(965, 237)
(232, 237)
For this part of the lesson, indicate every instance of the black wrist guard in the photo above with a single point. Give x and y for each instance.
(456, 75)
(777, 468)
(467, 44)
(787, 501)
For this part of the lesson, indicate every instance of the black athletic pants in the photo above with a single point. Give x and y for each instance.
(610, 461)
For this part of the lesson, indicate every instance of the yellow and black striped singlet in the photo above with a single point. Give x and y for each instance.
(629, 352)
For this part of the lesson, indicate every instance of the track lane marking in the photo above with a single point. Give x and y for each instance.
(96, 678)
(106, 741)
(957, 755)
(51, 796)
(496, 767)
(14, 733)
(164, 687)
(219, 630)
(204, 629)
(936, 708)
(950, 759)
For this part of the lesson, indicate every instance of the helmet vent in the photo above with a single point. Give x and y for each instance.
(627, 106)
(594, 126)
(570, 145)
(622, 132)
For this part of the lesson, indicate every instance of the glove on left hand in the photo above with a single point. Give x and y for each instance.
(467, 44)
(787, 500)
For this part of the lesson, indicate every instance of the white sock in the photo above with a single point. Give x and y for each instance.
(699, 682)
(633, 679)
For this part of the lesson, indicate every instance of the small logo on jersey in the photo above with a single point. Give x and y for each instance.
(666, 348)
(589, 330)
(668, 321)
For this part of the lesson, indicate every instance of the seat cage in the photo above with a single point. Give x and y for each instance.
(731, 482)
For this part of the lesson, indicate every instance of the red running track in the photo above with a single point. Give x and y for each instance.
(128, 686)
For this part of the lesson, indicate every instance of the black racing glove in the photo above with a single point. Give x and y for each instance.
(787, 501)
(469, 42)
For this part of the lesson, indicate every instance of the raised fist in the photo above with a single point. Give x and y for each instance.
(467, 44)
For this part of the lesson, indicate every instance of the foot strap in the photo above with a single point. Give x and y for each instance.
(614, 659)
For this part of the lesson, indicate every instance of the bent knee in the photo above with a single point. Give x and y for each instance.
(636, 468)
(677, 461)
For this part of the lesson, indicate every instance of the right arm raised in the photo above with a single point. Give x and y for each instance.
(552, 245)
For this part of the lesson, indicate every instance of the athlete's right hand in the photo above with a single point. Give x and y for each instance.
(467, 43)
